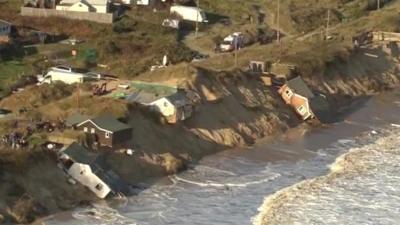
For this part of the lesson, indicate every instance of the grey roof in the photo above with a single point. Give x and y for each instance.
(80, 154)
(109, 123)
(109, 177)
(300, 87)
(76, 119)
(178, 96)
(96, 162)
(321, 109)
(142, 97)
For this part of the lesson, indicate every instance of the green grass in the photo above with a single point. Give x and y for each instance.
(11, 70)
(154, 88)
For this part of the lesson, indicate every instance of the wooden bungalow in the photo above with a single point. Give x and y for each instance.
(106, 131)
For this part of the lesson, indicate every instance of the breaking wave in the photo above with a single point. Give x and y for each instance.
(226, 185)
(361, 188)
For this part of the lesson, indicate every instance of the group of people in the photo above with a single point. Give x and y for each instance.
(18, 140)
(15, 139)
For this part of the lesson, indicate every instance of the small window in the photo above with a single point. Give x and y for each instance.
(301, 110)
(99, 187)
(165, 104)
(289, 93)
(108, 134)
(92, 131)
(85, 129)
(82, 172)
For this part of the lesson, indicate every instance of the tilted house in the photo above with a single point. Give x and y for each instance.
(86, 168)
(297, 94)
(106, 131)
(175, 107)
(97, 6)
(307, 105)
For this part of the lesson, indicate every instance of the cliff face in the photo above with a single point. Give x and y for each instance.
(32, 185)
(236, 109)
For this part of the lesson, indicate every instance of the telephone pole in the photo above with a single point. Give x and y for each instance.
(278, 34)
(236, 52)
(327, 23)
(197, 17)
(379, 4)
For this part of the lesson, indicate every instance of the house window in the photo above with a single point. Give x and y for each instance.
(289, 93)
(165, 104)
(301, 110)
(92, 131)
(99, 187)
(108, 134)
(85, 129)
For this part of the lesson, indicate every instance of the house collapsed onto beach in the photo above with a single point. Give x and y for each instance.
(307, 105)
(88, 169)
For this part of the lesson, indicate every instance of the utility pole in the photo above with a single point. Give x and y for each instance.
(278, 34)
(327, 23)
(236, 52)
(77, 97)
(379, 4)
(197, 17)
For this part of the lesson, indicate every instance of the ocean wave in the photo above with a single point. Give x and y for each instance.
(353, 175)
(226, 185)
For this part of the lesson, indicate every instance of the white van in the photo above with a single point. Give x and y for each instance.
(189, 13)
(61, 75)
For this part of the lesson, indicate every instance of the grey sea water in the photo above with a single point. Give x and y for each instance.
(289, 176)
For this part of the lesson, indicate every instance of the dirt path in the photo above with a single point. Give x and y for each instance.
(191, 41)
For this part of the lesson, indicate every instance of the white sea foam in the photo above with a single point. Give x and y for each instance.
(362, 188)
(225, 185)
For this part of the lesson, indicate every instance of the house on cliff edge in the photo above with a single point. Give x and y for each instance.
(306, 104)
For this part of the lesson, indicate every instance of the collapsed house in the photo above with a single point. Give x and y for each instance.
(88, 169)
(106, 131)
(174, 108)
(298, 95)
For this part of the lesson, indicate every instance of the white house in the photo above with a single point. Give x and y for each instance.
(86, 168)
(98, 6)
(175, 107)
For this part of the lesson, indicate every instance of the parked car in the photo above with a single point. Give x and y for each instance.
(199, 57)
(231, 42)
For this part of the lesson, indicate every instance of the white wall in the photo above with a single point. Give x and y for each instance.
(79, 7)
(84, 8)
(101, 8)
(84, 175)
(165, 107)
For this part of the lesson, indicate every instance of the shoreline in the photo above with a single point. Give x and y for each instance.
(206, 135)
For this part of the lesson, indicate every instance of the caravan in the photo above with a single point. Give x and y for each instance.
(189, 13)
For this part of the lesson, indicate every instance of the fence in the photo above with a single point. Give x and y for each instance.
(107, 18)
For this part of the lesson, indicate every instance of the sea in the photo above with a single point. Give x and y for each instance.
(342, 173)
